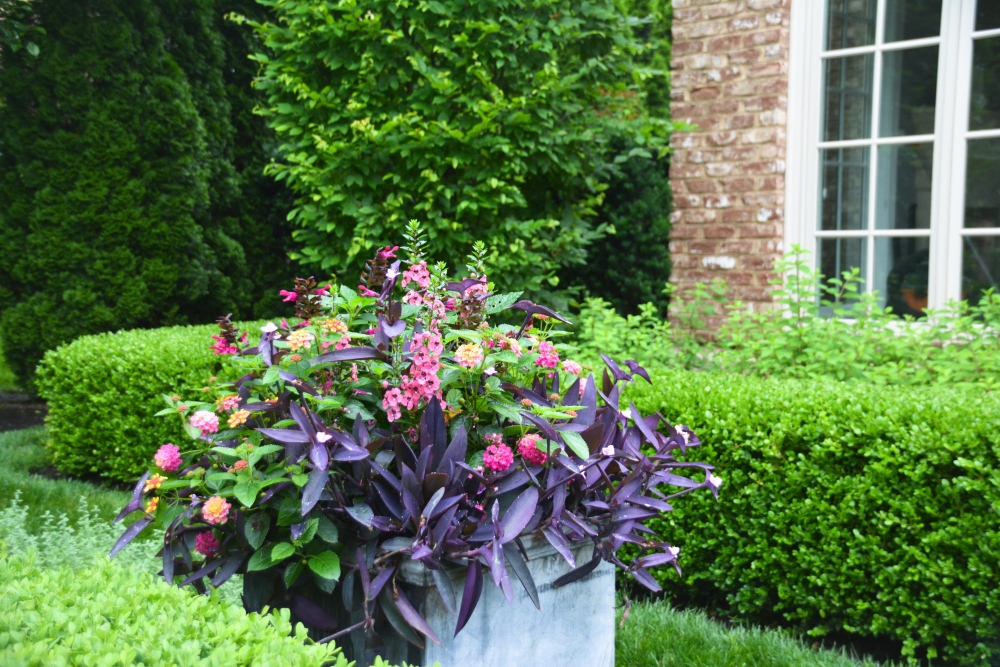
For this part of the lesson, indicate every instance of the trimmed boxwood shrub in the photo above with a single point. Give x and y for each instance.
(846, 508)
(105, 614)
(104, 390)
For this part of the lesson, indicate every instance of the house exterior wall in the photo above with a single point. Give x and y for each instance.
(730, 78)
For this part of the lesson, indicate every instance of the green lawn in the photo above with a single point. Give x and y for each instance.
(657, 636)
(77, 527)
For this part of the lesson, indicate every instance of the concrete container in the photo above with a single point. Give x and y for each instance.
(575, 627)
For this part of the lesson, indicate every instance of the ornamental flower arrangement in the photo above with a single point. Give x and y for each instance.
(396, 421)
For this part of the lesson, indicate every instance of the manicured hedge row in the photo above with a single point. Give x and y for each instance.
(104, 390)
(846, 508)
(110, 615)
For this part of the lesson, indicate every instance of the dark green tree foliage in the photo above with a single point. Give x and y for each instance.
(120, 205)
(482, 118)
(634, 255)
(632, 262)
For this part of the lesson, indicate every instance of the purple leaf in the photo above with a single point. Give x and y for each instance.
(345, 454)
(311, 614)
(588, 412)
(550, 433)
(393, 330)
(646, 579)
(361, 513)
(313, 489)
(494, 555)
(445, 589)
(130, 534)
(464, 285)
(554, 535)
(578, 573)
(512, 481)
(284, 435)
(320, 456)
(395, 618)
(302, 419)
(349, 354)
(456, 450)
(366, 582)
(522, 572)
(380, 580)
(519, 514)
(211, 566)
(470, 596)
(228, 569)
(412, 617)
(633, 514)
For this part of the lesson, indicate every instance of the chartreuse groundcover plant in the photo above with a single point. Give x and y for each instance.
(379, 429)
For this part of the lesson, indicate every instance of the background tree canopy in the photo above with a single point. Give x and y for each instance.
(482, 118)
(130, 188)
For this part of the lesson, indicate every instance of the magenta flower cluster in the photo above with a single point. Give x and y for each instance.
(205, 421)
(527, 447)
(168, 457)
(548, 357)
(498, 457)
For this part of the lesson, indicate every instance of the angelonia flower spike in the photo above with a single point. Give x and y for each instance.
(406, 416)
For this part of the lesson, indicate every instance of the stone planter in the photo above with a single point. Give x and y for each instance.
(576, 625)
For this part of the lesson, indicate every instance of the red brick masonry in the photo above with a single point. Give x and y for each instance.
(730, 78)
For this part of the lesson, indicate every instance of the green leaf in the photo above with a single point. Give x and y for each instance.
(260, 561)
(326, 565)
(255, 528)
(310, 531)
(281, 551)
(576, 443)
(290, 511)
(498, 302)
(246, 491)
(292, 573)
(327, 530)
(271, 375)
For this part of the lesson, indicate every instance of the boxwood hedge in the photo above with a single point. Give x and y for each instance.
(846, 508)
(104, 390)
(109, 615)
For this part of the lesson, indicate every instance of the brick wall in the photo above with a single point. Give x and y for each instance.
(730, 78)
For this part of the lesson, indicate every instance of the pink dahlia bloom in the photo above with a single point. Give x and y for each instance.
(527, 447)
(498, 457)
(215, 510)
(206, 544)
(205, 421)
(168, 457)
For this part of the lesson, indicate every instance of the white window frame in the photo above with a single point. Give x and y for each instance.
(805, 112)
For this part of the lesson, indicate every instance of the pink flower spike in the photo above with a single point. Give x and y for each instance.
(206, 544)
(168, 457)
(388, 253)
(364, 291)
(289, 296)
(324, 291)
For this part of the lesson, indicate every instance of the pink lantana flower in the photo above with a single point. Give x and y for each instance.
(572, 367)
(527, 447)
(206, 544)
(205, 421)
(168, 457)
(498, 457)
(215, 510)
(548, 357)
(469, 355)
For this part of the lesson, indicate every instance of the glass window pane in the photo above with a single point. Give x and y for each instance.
(903, 189)
(850, 23)
(980, 265)
(839, 255)
(982, 183)
(902, 267)
(984, 107)
(912, 19)
(909, 90)
(987, 15)
(848, 105)
(844, 189)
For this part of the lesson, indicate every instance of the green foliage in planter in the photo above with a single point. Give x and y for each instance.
(487, 119)
(845, 507)
(104, 390)
(124, 189)
(109, 615)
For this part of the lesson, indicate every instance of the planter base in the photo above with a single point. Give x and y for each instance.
(576, 625)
